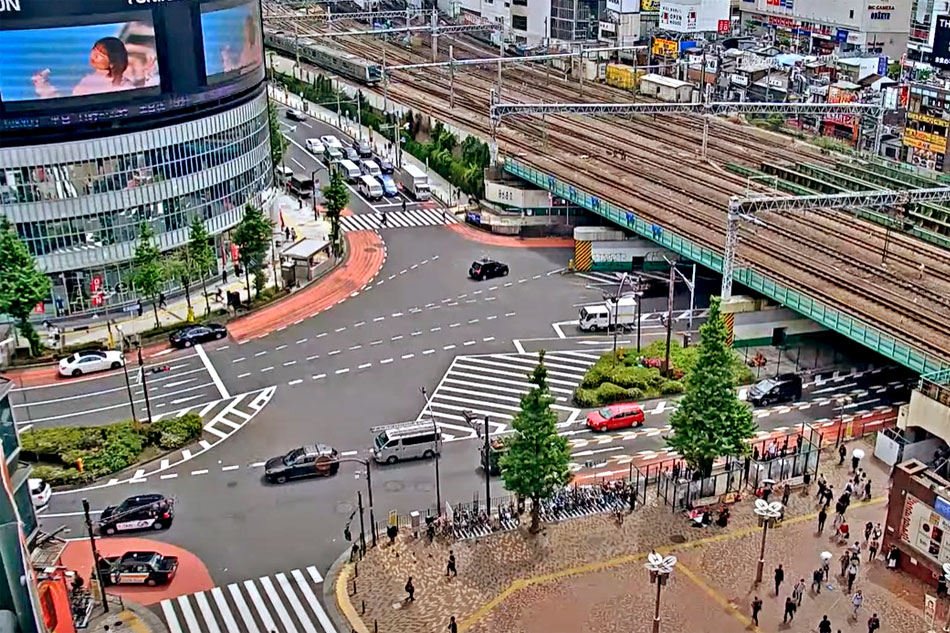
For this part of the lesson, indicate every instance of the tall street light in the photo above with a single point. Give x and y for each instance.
(125, 370)
(840, 404)
(435, 450)
(768, 513)
(660, 568)
(369, 489)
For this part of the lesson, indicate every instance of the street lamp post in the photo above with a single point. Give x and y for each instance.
(125, 370)
(148, 405)
(768, 513)
(840, 404)
(369, 491)
(660, 568)
(435, 451)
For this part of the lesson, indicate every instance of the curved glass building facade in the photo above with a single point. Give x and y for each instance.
(78, 205)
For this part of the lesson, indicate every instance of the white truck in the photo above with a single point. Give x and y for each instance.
(604, 316)
(414, 182)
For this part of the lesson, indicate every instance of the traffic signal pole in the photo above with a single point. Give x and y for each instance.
(487, 469)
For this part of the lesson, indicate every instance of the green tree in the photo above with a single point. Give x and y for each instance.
(278, 142)
(180, 267)
(148, 274)
(335, 198)
(711, 421)
(252, 236)
(22, 286)
(202, 254)
(536, 465)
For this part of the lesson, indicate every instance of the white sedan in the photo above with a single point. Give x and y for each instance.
(331, 141)
(40, 492)
(315, 145)
(90, 361)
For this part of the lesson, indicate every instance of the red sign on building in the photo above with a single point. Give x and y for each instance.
(95, 284)
(40, 308)
(98, 299)
(723, 26)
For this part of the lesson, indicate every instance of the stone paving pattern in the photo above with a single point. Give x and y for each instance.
(588, 574)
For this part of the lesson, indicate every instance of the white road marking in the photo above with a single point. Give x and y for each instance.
(365, 365)
(385, 361)
(238, 360)
(318, 376)
(295, 382)
(289, 363)
(245, 375)
(261, 353)
(201, 471)
(267, 369)
(448, 347)
(227, 468)
(428, 351)
(342, 371)
(405, 356)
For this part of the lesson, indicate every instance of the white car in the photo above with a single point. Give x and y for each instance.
(90, 361)
(40, 492)
(331, 141)
(315, 145)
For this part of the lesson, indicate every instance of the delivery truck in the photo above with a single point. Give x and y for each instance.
(605, 316)
(414, 182)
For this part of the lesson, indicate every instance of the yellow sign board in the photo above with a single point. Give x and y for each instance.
(665, 48)
(939, 147)
(925, 118)
(649, 5)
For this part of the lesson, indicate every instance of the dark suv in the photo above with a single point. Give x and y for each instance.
(363, 148)
(486, 269)
(314, 460)
(781, 388)
(141, 512)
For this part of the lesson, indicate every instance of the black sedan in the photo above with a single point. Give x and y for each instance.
(141, 512)
(486, 269)
(314, 460)
(296, 115)
(138, 568)
(193, 334)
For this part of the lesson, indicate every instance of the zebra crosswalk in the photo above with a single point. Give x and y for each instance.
(396, 219)
(285, 604)
(492, 385)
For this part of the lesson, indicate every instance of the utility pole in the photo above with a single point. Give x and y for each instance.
(501, 53)
(359, 504)
(451, 77)
(148, 405)
(669, 317)
(95, 555)
(125, 370)
(385, 88)
(487, 470)
(435, 451)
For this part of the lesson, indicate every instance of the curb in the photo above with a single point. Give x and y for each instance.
(148, 617)
(336, 598)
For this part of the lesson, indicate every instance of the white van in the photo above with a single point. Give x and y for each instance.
(349, 171)
(284, 173)
(369, 167)
(370, 188)
(408, 440)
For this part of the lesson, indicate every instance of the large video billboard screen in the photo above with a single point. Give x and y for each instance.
(79, 61)
(232, 40)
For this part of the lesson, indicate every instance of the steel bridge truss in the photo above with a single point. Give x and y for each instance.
(435, 30)
(329, 16)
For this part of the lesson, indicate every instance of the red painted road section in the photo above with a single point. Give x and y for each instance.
(507, 241)
(366, 256)
(192, 574)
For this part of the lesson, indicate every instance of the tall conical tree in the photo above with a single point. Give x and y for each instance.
(536, 465)
(711, 421)
(22, 285)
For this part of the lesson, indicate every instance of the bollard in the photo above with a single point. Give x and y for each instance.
(356, 569)
(364, 607)
(375, 626)
(354, 587)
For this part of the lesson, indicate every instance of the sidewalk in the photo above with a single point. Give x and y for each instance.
(588, 575)
(132, 617)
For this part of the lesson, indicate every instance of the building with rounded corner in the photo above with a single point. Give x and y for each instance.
(119, 112)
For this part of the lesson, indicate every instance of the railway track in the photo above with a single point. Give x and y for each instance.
(830, 256)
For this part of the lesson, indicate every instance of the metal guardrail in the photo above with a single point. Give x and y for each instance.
(834, 319)
(936, 386)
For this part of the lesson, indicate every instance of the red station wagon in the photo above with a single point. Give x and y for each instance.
(616, 416)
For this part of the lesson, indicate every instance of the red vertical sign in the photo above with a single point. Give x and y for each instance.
(95, 284)
(723, 26)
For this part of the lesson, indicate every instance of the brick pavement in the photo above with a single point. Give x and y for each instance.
(588, 574)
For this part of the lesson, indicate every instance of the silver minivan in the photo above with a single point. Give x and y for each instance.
(407, 440)
(369, 167)
(370, 188)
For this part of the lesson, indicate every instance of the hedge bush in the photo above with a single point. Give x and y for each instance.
(103, 449)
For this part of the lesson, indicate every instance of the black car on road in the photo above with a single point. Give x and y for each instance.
(781, 388)
(486, 269)
(193, 334)
(138, 568)
(141, 512)
(313, 460)
(385, 165)
(296, 115)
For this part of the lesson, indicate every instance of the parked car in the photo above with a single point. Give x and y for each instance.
(315, 145)
(90, 361)
(40, 492)
(332, 153)
(385, 165)
(313, 460)
(616, 416)
(141, 512)
(329, 140)
(363, 148)
(781, 388)
(138, 568)
(296, 115)
(486, 269)
(193, 334)
(352, 155)
(389, 186)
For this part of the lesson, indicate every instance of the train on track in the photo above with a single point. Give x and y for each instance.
(340, 62)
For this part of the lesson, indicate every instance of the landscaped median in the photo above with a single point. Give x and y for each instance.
(625, 375)
(68, 455)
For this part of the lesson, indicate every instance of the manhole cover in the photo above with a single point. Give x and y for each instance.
(393, 486)
(678, 538)
(369, 249)
(344, 507)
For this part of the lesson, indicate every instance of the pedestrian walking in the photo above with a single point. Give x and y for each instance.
(856, 601)
(855, 550)
(877, 533)
(817, 577)
(852, 574)
(287, 233)
(383, 219)
(855, 460)
(138, 307)
(822, 517)
(450, 567)
(825, 625)
(411, 590)
(874, 623)
(224, 276)
(868, 528)
(873, 547)
(756, 607)
(842, 453)
(798, 591)
(839, 518)
(786, 492)
(779, 577)
(845, 561)
(453, 627)
(403, 205)
(789, 609)
(826, 569)
(161, 301)
(867, 490)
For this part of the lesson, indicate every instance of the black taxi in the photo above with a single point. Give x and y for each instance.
(141, 512)
(138, 568)
(314, 460)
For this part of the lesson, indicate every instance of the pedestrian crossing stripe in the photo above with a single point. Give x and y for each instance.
(396, 219)
(285, 603)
